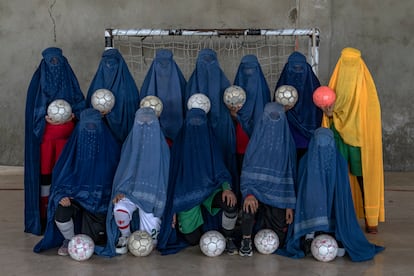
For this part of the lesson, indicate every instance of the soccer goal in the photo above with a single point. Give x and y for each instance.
(271, 46)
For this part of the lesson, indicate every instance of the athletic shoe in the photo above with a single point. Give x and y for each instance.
(121, 247)
(341, 252)
(231, 248)
(307, 246)
(246, 248)
(63, 250)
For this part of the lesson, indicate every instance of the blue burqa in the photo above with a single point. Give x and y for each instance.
(142, 173)
(113, 74)
(84, 173)
(209, 79)
(53, 79)
(196, 171)
(269, 165)
(324, 201)
(166, 81)
(250, 77)
(305, 116)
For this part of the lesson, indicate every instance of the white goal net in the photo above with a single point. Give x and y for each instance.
(272, 48)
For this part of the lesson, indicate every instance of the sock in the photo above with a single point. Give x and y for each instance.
(310, 236)
(66, 228)
(228, 222)
(122, 219)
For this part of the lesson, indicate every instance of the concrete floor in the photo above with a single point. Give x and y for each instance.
(396, 234)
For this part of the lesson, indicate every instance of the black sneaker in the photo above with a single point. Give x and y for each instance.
(231, 248)
(246, 248)
(307, 246)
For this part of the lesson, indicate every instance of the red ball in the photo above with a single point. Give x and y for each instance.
(324, 96)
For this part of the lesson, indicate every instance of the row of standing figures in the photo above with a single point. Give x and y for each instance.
(233, 167)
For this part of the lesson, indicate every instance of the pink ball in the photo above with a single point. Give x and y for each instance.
(324, 96)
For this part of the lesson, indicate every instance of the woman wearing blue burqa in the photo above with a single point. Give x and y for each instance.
(166, 81)
(113, 74)
(304, 117)
(53, 79)
(209, 79)
(268, 178)
(250, 77)
(139, 192)
(199, 189)
(81, 185)
(324, 202)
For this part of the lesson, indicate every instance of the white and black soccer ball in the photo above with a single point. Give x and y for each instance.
(212, 243)
(266, 241)
(154, 102)
(140, 243)
(324, 248)
(234, 97)
(59, 111)
(286, 95)
(199, 100)
(81, 247)
(103, 100)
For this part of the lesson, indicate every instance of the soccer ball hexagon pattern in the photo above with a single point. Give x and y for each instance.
(286, 95)
(154, 102)
(199, 100)
(234, 96)
(81, 247)
(59, 111)
(266, 241)
(140, 243)
(324, 248)
(103, 100)
(212, 243)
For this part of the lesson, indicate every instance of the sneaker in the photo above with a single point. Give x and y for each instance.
(246, 248)
(121, 247)
(231, 248)
(341, 252)
(63, 250)
(307, 246)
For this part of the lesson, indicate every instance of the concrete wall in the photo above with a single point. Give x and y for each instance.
(77, 26)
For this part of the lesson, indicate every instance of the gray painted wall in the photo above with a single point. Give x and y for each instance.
(77, 26)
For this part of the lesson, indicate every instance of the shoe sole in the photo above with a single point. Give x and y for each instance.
(231, 253)
(249, 254)
(121, 251)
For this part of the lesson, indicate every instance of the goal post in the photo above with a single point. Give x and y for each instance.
(271, 46)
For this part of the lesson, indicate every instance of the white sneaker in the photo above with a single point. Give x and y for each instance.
(340, 252)
(121, 247)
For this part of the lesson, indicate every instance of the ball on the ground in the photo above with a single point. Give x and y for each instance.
(286, 95)
(154, 102)
(266, 241)
(59, 111)
(140, 243)
(103, 100)
(199, 100)
(212, 243)
(323, 96)
(324, 248)
(234, 97)
(81, 247)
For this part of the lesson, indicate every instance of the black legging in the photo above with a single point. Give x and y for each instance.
(267, 217)
(193, 238)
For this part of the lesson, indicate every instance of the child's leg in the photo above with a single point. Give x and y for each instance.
(123, 211)
(150, 224)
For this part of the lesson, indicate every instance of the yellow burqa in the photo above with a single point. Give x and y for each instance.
(357, 118)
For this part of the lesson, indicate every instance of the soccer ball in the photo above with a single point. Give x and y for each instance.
(103, 100)
(266, 241)
(199, 100)
(234, 97)
(324, 248)
(140, 243)
(81, 247)
(212, 243)
(323, 96)
(59, 111)
(154, 102)
(286, 95)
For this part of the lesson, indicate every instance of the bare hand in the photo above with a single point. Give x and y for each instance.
(250, 204)
(117, 198)
(229, 198)
(289, 216)
(65, 202)
(328, 110)
(174, 221)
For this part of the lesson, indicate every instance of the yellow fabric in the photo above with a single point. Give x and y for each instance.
(357, 117)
